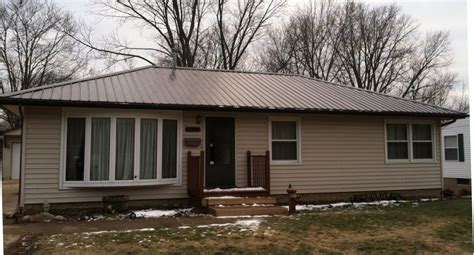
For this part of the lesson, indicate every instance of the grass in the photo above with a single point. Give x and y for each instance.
(427, 227)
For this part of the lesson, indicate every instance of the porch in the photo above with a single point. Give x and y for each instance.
(234, 201)
(258, 178)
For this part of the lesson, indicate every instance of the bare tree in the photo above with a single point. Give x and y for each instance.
(241, 23)
(428, 78)
(34, 50)
(373, 48)
(174, 26)
(278, 52)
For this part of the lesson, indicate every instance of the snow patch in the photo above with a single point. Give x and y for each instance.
(310, 207)
(116, 231)
(235, 189)
(252, 224)
(153, 213)
(223, 197)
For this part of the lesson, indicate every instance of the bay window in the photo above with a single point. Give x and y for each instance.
(409, 141)
(120, 150)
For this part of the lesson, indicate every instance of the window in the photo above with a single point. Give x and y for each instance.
(119, 149)
(451, 147)
(285, 141)
(422, 141)
(75, 149)
(148, 153)
(397, 141)
(169, 148)
(100, 149)
(409, 141)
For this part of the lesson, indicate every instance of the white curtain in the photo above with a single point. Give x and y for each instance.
(125, 148)
(169, 153)
(100, 149)
(148, 140)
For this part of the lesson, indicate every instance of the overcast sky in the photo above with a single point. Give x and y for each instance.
(431, 15)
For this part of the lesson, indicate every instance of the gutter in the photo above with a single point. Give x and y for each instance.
(189, 107)
(449, 122)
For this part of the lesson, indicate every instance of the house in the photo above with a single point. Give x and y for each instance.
(457, 157)
(11, 154)
(168, 135)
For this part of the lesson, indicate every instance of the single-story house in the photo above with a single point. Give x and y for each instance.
(457, 157)
(160, 134)
(11, 154)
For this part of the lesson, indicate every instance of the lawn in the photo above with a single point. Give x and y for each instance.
(425, 227)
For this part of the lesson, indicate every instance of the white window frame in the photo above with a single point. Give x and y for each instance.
(298, 160)
(411, 158)
(457, 148)
(88, 114)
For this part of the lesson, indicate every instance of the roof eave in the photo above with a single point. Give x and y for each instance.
(59, 103)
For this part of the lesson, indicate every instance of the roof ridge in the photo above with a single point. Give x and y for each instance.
(224, 70)
(54, 85)
(379, 93)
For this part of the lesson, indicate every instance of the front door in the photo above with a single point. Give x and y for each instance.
(220, 161)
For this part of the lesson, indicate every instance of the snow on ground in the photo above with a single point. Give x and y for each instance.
(223, 197)
(252, 224)
(309, 207)
(235, 189)
(154, 213)
(115, 231)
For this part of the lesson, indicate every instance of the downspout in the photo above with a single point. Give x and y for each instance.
(19, 209)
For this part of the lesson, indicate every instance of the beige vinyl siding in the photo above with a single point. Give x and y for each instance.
(340, 153)
(347, 154)
(7, 156)
(43, 140)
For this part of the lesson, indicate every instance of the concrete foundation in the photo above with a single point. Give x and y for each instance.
(458, 186)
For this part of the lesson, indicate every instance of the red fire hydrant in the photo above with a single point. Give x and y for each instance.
(292, 199)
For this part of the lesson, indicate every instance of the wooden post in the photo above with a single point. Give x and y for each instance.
(201, 175)
(249, 169)
(267, 171)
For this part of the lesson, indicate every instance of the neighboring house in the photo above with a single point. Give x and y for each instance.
(457, 157)
(164, 135)
(11, 154)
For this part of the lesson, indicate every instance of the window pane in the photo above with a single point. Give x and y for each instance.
(421, 131)
(284, 151)
(148, 138)
(125, 140)
(170, 147)
(422, 150)
(451, 141)
(76, 132)
(100, 149)
(397, 150)
(451, 154)
(283, 129)
(397, 132)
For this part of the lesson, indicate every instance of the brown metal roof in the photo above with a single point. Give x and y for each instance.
(201, 89)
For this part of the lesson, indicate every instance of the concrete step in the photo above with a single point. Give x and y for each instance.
(247, 210)
(212, 201)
